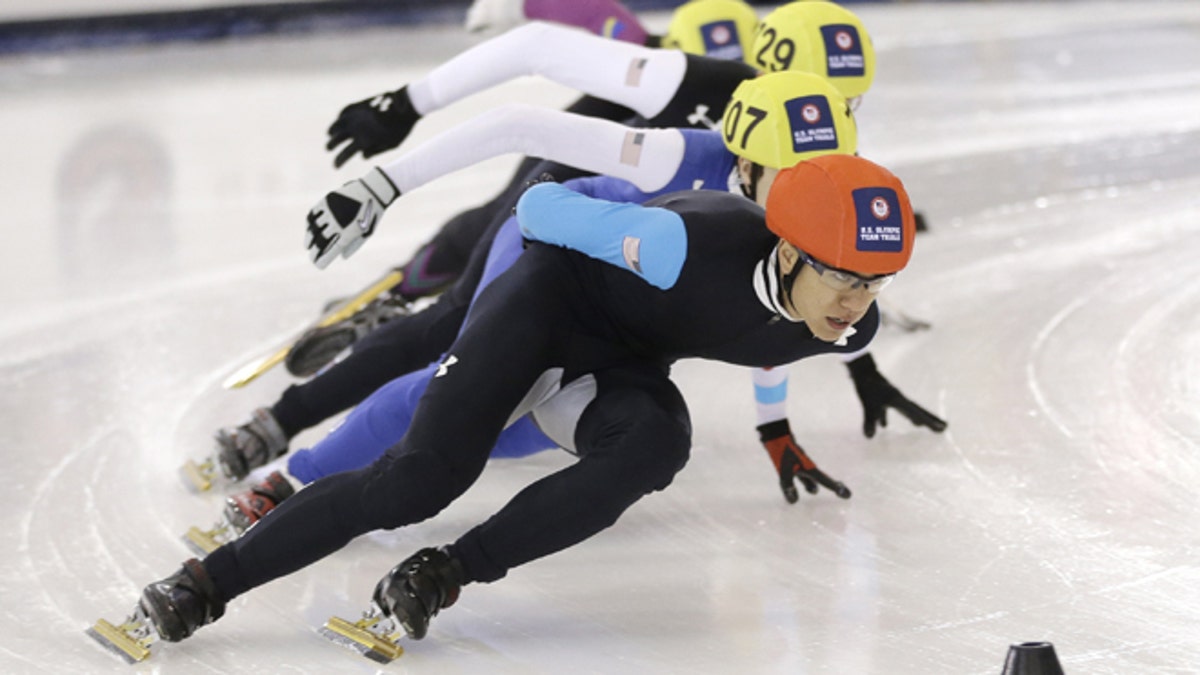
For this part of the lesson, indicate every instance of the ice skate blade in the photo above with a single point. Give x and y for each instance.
(117, 640)
(204, 542)
(359, 637)
(253, 370)
(199, 476)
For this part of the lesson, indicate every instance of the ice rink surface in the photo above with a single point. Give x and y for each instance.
(154, 204)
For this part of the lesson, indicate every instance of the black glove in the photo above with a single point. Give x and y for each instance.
(792, 462)
(877, 395)
(372, 125)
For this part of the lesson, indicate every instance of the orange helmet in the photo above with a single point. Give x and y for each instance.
(844, 211)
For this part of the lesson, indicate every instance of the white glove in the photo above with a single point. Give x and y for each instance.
(495, 16)
(343, 220)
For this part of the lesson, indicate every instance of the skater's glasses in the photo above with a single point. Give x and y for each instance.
(841, 280)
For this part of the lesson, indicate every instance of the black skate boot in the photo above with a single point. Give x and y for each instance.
(317, 347)
(245, 508)
(416, 589)
(182, 603)
(251, 445)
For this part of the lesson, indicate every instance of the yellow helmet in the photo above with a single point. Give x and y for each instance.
(780, 119)
(722, 29)
(817, 37)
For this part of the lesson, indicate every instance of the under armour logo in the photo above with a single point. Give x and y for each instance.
(444, 366)
(700, 117)
(382, 102)
(316, 232)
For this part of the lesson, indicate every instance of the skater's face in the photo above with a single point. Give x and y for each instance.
(828, 301)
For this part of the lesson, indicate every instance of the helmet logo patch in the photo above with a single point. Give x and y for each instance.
(843, 51)
(721, 40)
(881, 208)
(878, 220)
(811, 124)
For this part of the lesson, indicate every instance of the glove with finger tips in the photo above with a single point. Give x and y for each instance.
(340, 223)
(877, 395)
(792, 463)
(372, 125)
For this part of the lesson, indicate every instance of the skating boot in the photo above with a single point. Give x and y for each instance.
(239, 450)
(318, 347)
(241, 511)
(250, 445)
(245, 508)
(410, 595)
(416, 589)
(183, 602)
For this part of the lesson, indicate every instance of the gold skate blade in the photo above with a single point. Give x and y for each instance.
(199, 475)
(357, 303)
(116, 640)
(359, 637)
(253, 370)
(203, 542)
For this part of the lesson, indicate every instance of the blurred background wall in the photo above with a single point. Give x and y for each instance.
(48, 25)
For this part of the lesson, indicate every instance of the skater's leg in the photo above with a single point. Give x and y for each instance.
(400, 346)
(516, 332)
(632, 440)
(380, 422)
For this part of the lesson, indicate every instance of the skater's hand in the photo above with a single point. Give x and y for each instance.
(344, 218)
(372, 125)
(877, 395)
(791, 462)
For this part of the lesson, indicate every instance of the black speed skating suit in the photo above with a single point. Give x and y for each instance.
(555, 308)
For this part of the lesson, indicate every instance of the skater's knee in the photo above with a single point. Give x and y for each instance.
(647, 444)
(412, 486)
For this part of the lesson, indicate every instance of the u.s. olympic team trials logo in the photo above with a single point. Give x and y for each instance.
(880, 228)
(811, 122)
(843, 51)
(721, 40)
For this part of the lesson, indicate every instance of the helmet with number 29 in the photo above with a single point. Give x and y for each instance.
(818, 37)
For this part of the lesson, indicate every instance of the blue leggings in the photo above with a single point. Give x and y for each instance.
(381, 420)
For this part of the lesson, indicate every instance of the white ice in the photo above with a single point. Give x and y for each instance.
(153, 203)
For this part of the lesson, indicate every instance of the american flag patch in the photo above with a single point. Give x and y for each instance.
(631, 250)
(631, 148)
(633, 77)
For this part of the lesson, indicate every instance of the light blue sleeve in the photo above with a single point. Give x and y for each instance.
(651, 242)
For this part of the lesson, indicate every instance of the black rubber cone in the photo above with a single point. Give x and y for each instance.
(1032, 658)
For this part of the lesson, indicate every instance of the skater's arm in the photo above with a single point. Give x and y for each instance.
(770, 394)
(650, 242)
(639, 78)
(648, 158)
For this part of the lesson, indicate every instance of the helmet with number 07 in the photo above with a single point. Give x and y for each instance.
(819, 37)
(721, 29)
(779, 119)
